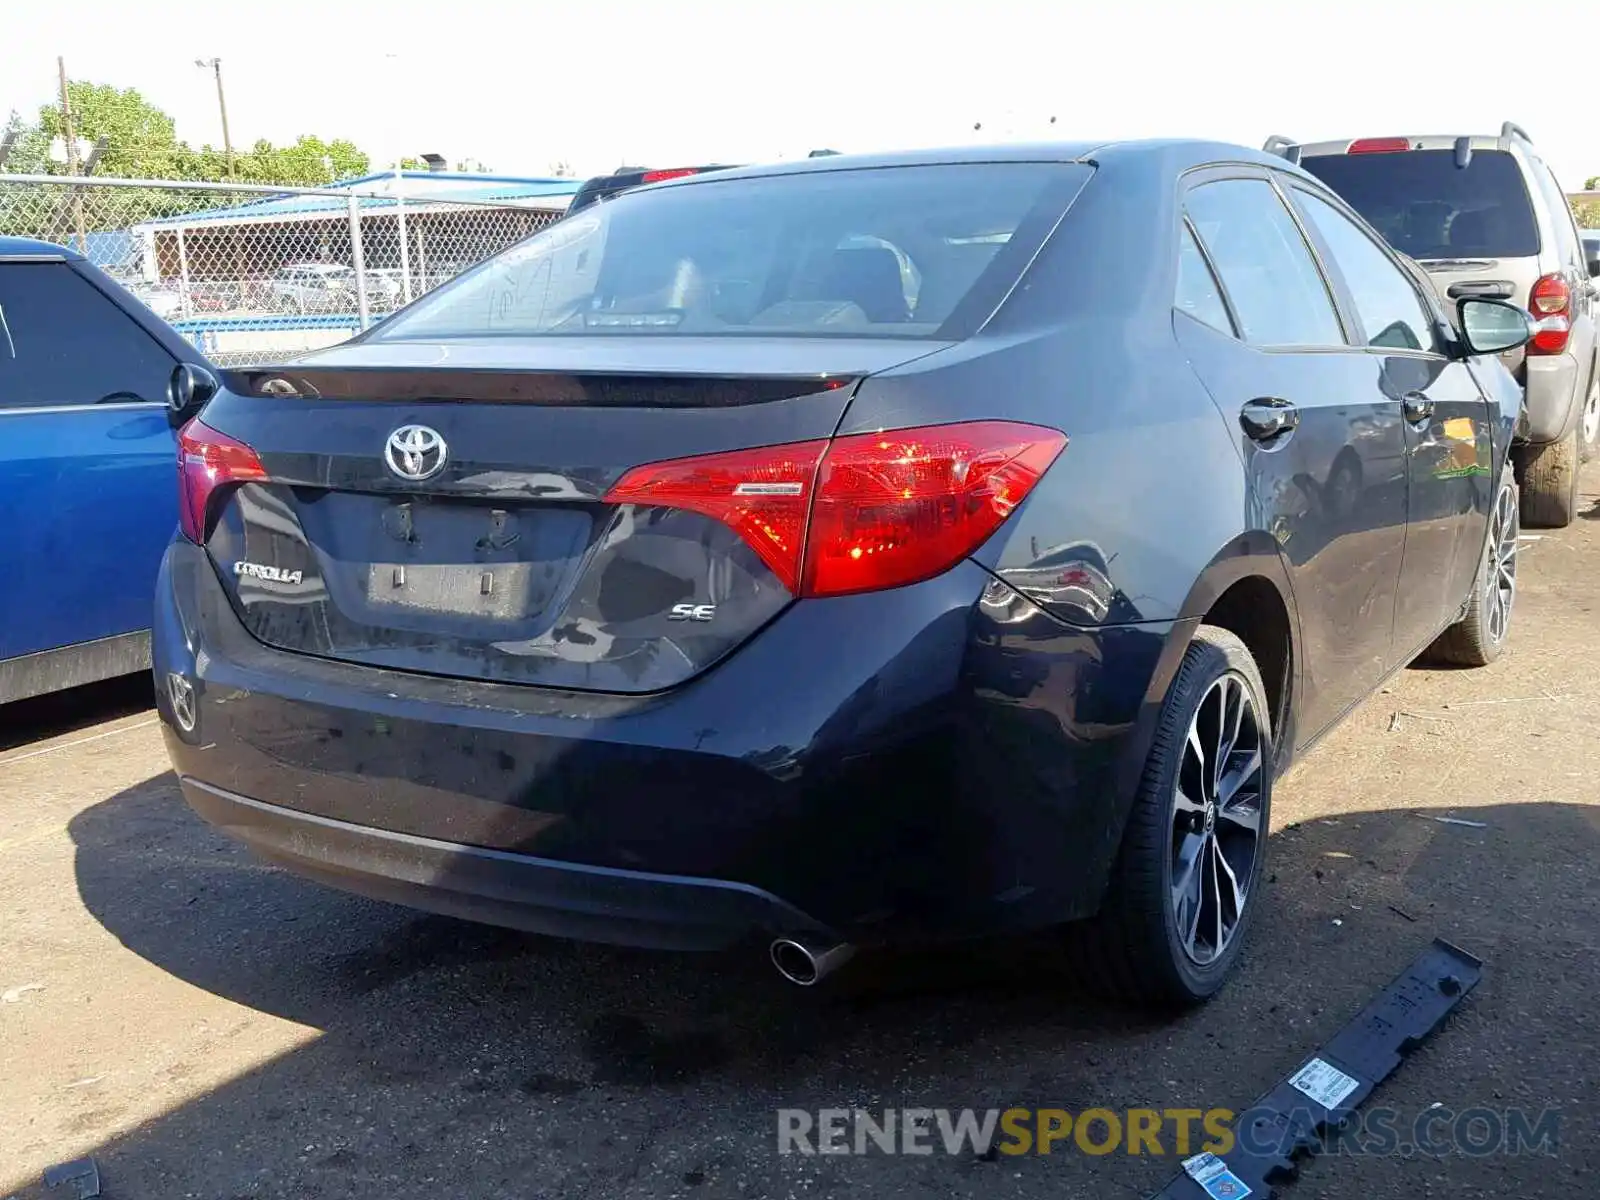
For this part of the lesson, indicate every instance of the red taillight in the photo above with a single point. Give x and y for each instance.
(673, 173)
(1388, 145)
(864, 512)
(208, 460)
(898, 507)
(1550, 302)
(761, 494)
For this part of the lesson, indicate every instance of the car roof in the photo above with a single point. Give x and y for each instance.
(21, 247)
(1178, 153)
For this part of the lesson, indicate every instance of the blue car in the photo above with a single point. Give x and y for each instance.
(88, 489)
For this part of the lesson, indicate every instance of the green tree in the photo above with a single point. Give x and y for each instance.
(141, 142)
(140, 139)
(30, 149)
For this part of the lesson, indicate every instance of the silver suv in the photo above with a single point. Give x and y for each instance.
(1484, 216)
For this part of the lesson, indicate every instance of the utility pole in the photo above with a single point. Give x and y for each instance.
(70, 137)
(222, 106)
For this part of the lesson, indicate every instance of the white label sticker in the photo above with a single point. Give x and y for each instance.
(1211, 1173)
(1204, 1166)
(1324, 1083)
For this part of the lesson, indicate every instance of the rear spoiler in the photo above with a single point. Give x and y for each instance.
(1283, 147)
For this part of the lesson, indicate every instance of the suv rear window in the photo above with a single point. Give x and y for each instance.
(1427, 207)
(879, 252)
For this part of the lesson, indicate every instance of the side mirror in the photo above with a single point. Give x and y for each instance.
(187, 393)
(1594, 268)
(1494, 326)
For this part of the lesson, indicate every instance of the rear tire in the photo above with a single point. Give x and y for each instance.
(1550, 483)
(1147, 944)
(1480, 636)
(1589, 420)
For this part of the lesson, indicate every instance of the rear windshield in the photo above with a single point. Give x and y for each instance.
(882, 252)
(1428, 207)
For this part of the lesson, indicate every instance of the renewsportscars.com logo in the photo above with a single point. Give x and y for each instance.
(1181, 1132)
(1013, 1131)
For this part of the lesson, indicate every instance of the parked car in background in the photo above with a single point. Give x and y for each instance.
(1484, 216)
(691, 573)
(625, 179)
(87, 496)
(385, 289)
(165, 300)
(313, 287)
(216, 295)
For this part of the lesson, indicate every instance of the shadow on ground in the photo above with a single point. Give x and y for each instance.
(467, 1061)
(61, 713)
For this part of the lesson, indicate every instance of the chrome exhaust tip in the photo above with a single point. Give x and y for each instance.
(806, 965)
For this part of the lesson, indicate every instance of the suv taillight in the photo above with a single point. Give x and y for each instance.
(1550, 302)
(208, 461)
(1379, 145)
(859, 513)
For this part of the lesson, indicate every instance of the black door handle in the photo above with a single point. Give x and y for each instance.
(1268, 418)
(1417, 406)
(1489, 290)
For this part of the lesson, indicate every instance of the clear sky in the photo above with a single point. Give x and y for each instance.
(523, 85)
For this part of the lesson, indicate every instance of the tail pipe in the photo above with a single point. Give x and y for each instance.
(805, 963)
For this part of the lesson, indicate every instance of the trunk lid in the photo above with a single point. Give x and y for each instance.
(439, 507)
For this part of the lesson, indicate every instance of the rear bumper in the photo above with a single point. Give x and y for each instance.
(941, 760)
(1553, 395)
(499, 888)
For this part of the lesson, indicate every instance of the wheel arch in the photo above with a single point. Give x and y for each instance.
(1245, 589)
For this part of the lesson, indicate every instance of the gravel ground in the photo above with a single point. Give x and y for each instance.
(206, 1026)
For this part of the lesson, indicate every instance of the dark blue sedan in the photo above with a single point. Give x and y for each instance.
(854, 551)
(88, 497)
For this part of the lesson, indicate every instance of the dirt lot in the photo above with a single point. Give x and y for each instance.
(209, 1027)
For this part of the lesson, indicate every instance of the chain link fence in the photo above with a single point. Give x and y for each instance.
(255, 274)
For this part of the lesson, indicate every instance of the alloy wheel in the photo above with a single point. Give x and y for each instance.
(1500, 579)
(1217, 819)
(1591, 414)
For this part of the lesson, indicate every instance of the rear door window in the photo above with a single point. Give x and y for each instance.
(1278, 294)
(1391, 314)
(1198, 294)
(64, 342)
(1429, 208)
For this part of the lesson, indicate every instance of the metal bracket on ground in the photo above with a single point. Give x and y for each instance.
(78, 1179)
(1289, 1121)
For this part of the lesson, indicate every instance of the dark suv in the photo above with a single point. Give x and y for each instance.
(1484, 216)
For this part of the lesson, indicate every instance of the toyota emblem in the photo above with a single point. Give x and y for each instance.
(415, 452)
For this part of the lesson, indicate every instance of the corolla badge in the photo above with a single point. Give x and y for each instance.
(415, 452)
(269, 573)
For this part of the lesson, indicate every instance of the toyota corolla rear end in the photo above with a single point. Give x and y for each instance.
(579, 598)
